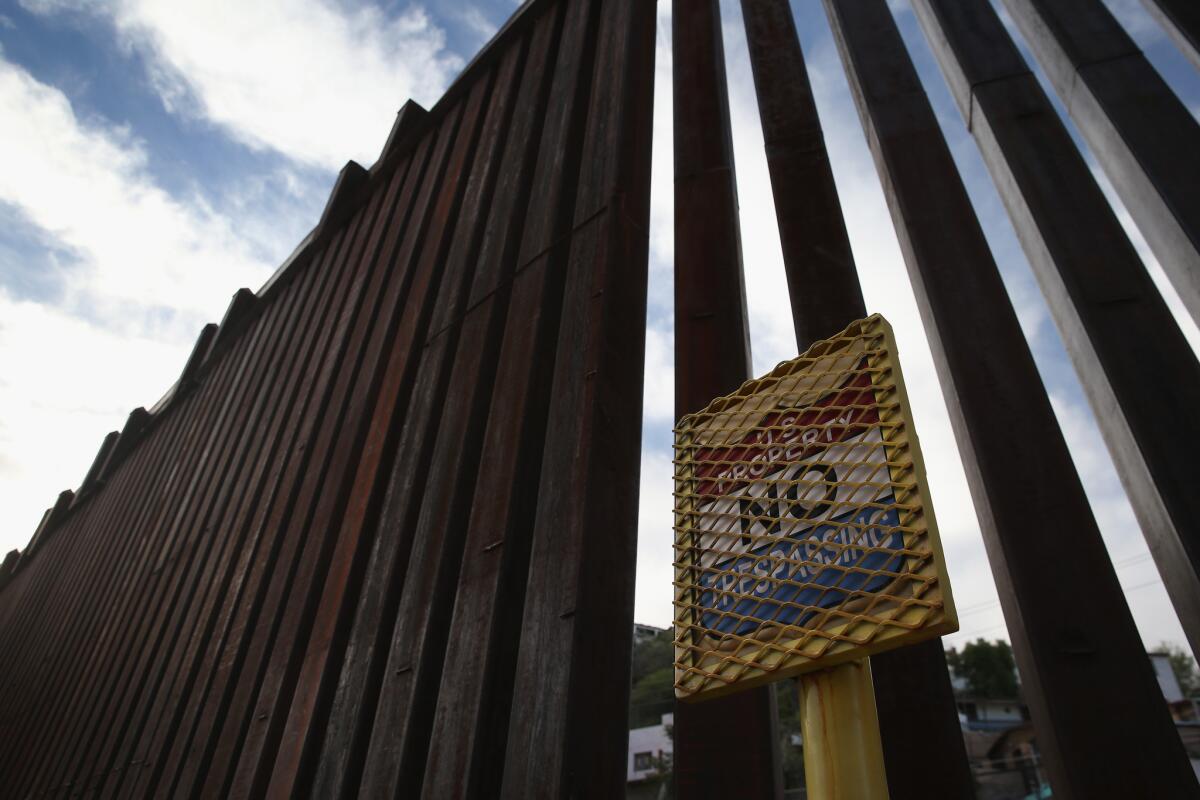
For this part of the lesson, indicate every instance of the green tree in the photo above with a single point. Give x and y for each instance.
(653, 680)
(987, 667)
(652, 654)
(651, 697)
(1184, 667)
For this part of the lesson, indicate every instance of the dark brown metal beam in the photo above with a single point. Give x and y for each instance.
(822, 281)
(912, 687)
(1139, 372)
(1181, 19)
(1020, 472)
(575, 633)
(1144, 137)
(712, 358)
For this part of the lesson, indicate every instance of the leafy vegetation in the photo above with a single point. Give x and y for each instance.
(987, 667)
(1184, 667)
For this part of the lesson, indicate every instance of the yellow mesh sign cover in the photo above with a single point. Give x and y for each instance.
(804, 536)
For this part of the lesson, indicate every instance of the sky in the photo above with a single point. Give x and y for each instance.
(155, 155)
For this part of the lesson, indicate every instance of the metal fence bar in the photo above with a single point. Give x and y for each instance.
(1181, 19)
(712, 358)
(351, 716)
(171, 703)
(575, 639)
(1139, 372)
(912, 687)
(1018, 467)
(470, 721)
(1144, 137)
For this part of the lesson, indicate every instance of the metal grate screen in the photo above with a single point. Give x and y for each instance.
(804, 536)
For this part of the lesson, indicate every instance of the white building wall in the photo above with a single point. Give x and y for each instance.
(653, 740)
(1166, 677)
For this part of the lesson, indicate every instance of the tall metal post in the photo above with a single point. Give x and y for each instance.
(913, 695)
(1181, 19)
(822, 281)
(1143, 135)
(1139, 372)
(726, 747)
(1071, 629)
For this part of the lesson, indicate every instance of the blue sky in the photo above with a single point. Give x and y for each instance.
(155, 155)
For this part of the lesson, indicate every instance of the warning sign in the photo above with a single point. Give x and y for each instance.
(803, 533)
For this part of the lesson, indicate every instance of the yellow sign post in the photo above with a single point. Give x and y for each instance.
(805, 541)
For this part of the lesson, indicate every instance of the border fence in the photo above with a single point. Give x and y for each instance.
(379, 538)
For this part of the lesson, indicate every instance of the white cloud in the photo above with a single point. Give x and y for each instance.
(146, 271)
(1133, 17)
(659, 391)
(64, 383)
(653, 593)
(316, 81)
(477, 22)
(87, 186)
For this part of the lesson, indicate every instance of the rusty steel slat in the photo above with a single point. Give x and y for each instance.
(191, 661)
(31, 680)
(456, 766)
(409, 344)
(161, 595)
(475, 694)
(345, 243)
(400, 733)
(119, 591)
(1100, 295)
(353, 706)
(396, 753)
(578, 615)
(110, 591)
(283, 524)
(254, 766)
(169, 703)
(1019, 470)
(211, 541)
(83, 570)
(237, 615)
(108, 581)
(364, 240)
(913, 695)
(295, 763)
(1181, 20)
(176, 621)
(822, 281)
(216, 661)
(712, 358)
(240, 713)
(406, 696)
(547, 218)
(400, 371)
(77, 568)
(196, 610)
(43, 617)
(1145, 138)
(101, 571)
(313, 314)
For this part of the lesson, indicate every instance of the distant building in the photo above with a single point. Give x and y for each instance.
(643, 632)
(1167, 681)
(991, 714)
(650, 751)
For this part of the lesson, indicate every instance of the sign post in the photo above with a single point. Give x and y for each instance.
(805, 542)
